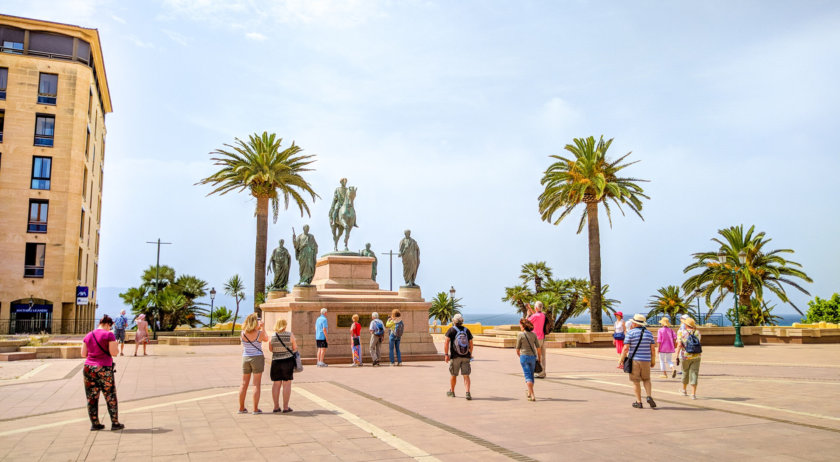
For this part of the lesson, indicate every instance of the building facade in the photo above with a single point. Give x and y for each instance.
(53, 100)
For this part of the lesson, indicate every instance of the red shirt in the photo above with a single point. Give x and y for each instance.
(356, 330)
(538, 320)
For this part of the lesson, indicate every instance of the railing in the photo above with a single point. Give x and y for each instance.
(44, 140)
(37, 227)
(716, 319)
(33, 271)
(44, 325)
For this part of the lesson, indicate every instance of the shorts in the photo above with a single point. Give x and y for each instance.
(321, 343)
(461, 365)
(528, 364)
(641, 371)
(283, 369)
(253, 364)
(540, 343)
(120, 335)
(691, 371)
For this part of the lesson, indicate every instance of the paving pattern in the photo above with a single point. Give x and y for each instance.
(776, 402)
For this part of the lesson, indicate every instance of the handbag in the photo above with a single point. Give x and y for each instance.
(618, 335)
(357, 341)
(295, 354)
(628, 361)
(537, 367)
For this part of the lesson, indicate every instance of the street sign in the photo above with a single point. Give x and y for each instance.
(81, 295)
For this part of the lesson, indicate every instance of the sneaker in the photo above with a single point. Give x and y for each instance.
(399, 364)
(392, 364)
(243, 411)
(651, 402)
(277, 411)
(117, 427)
(637, 405)
(693, 396)
(682, 392)
(258, 412)
(469, 396)
(96, 427)
(450, 393)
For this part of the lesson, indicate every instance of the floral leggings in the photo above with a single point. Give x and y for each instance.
(100, 379)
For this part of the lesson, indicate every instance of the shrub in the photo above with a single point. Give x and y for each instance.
(824, 310)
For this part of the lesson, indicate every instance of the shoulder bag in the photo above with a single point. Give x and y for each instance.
(538, 367)
(113, 365)
(295, 354)
(628, 361)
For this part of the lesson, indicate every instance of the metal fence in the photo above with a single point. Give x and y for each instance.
(716, 319)
(13, 326)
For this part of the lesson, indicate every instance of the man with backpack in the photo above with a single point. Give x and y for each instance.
(457, 351)
(640, 350)
(542, 326)
(377, 332)
(120, 324)
(688, 343)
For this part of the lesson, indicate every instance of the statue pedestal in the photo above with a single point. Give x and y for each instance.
(343, 286)
(272, 294)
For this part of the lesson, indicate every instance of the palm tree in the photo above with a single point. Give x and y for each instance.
(764, 269)
(174, 309)
(222, 314)
(444, 308)
(267, 172)
(236, 289)
(140, 301)
(667, 301)
(607, 304)
(589, 178)
(536, 272)
(518, 296)
(565, 300)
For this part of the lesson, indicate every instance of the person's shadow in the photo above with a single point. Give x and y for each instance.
(139, 431)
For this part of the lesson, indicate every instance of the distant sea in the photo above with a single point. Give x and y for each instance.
(493, 319)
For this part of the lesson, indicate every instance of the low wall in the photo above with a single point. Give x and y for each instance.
(54, 351)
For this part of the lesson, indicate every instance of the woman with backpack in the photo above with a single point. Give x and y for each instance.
(527, 350)
(98, 347)
(282, 346)
(397, 327)
(665, 340)
(688, 342)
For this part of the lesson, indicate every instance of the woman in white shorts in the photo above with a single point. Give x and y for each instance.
(665, 340)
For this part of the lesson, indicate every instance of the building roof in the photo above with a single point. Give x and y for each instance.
(89, 35)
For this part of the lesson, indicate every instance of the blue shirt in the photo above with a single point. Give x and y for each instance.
(120, 322)
(320, 327)
(644, 340)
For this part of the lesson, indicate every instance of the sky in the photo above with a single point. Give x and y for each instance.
(444, 115)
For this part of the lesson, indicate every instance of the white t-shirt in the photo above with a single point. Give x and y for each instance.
(619, 327)
(628, 325)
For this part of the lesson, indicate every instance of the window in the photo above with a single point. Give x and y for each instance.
(41, 169)
(90, 102)
(87, 143)
(47, 88)
(79, 266)
(44, 130)
(84, 184)
(13, 47)
(82, 225)
(2, 122)
(37, 216)
(34, 264)
(4, 80)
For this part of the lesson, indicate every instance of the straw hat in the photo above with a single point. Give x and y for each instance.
(639, 319)
(690, 322)
(665, 321)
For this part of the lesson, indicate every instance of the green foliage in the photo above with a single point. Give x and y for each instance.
(222, 315)
(176, 298)
(235, 288)
(444, 308)
(535, 272)
(764, 270)
(518, 296)
(824, 310)
(667, 300)
(757, 313)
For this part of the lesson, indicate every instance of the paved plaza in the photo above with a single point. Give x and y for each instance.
(759, 403)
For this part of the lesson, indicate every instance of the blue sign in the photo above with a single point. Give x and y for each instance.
(21, 308)
(82, 295)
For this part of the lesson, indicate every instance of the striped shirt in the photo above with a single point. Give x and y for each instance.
(252, 347)
(644, 338)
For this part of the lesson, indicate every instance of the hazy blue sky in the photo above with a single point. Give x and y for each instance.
(443, 114)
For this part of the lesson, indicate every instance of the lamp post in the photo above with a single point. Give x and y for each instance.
(212, 297)
(742, 259)
(452, 298)
(697, 295)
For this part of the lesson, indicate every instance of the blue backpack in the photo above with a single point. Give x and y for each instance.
(378, 328)
(462, 342)
(692, 344)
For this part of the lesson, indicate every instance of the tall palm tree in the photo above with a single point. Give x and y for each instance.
(236, 289)
(268, 172)
(444, 308)
(667, 300)
(536, 272)
(764, 270)
(589, 178)
(518, 296)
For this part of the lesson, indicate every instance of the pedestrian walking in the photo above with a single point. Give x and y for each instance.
(688, 344)
(397, 327)
(538, 320)
(253, 360)
(283, 347)
(142, 333)
(356, 341)
(120, 323)
(377, 334)
(681, 353)
(458, 348)
(321, 327)
(665, 340)
(99, 347)
(618, 334)
(640, 348)
(527, 350)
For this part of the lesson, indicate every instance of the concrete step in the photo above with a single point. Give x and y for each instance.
(17, 356)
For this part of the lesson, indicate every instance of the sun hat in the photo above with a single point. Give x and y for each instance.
(684, 317)
(639, 319)
(619, 314)
(690, 322)
(665, 321)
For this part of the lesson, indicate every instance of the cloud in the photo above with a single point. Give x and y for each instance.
(255, 36)
(176, 37)
(138, 42)
(118, 19)
(239, 13)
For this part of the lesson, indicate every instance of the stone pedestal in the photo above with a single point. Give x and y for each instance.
(343, 286)
(272, 294)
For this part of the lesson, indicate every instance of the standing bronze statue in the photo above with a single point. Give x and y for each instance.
(410, 254)
(370, 253)
(279, 263)
(306, 252)
(342, 213)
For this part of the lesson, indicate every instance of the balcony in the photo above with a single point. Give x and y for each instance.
(44, 141)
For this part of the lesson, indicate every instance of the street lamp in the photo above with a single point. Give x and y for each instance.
(742, 259)
(452, 297)
(697, 294)
(212, 297)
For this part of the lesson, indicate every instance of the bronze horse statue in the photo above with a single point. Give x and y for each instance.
(346, 220)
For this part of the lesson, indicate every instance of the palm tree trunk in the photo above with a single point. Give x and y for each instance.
(262, 244)
(595, 323)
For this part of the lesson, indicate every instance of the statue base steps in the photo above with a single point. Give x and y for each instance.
(343, 286)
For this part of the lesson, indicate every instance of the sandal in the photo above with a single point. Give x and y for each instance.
(531, 398)
(243, 411)
(277, 411)
(258, 411)
(287, 410)
(674, 374)
(637, 405)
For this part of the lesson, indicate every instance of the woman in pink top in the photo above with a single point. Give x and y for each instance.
(99, 346)
(142, 334)
(538, 319)
(665, 339)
